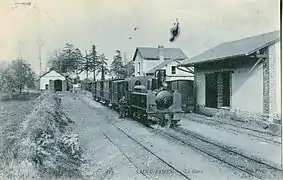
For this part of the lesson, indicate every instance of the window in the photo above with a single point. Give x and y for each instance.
(139, 67)
(173, 69)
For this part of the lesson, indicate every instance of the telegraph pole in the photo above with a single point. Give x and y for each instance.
(30, 4)
(40, 44)
(20, 44)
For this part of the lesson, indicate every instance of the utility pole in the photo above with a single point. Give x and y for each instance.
(40, 44)
(20, 44)
(93, 60)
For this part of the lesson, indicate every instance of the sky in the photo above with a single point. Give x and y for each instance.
(109, 23)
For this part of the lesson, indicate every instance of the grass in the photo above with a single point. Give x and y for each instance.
(42, 145)
(19, 97)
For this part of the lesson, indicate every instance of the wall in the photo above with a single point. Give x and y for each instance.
(137, 60)
(180, 75)
(52, 75)
(199, 84)
(247, 89)
(145, 65)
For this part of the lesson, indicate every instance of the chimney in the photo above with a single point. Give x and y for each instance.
(161, 53)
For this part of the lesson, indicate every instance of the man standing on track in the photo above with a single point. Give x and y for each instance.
(122, 107)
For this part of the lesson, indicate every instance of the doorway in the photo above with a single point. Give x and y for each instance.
(226, 89)
(211, 90)
(58, 85)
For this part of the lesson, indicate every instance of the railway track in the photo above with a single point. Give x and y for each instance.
(263, 133)
(227, 155)
(110, 121)
(222, 153)
(154, 154)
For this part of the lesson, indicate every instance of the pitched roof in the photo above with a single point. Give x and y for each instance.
(152, 53)
(49, 72)
(242, 47)
(159, 66)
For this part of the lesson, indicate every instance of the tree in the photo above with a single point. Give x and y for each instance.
(94, 60)
(130, 68)
(69, 60)
(101, 66)
(17, 76)
(58, 63)
(72, 57)
(89, 61)
(86, 63)
(78, 62)
(117, 69)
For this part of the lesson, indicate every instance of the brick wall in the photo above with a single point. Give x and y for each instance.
(219, 90)
(274, 79)
(266, 87)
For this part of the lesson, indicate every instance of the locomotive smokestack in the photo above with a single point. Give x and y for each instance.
(161, 53)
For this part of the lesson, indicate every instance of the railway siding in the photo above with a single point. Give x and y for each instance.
(256, 126)
(233, 127)
(269, 152)
(227, 155)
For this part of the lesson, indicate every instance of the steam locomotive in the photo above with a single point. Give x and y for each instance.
(148, 98)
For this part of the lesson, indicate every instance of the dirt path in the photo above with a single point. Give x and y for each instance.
(105, 160)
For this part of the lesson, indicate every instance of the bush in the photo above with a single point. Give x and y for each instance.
(45, 142)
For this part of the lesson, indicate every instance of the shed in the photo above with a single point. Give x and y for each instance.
(240, 75)
(53, 80)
